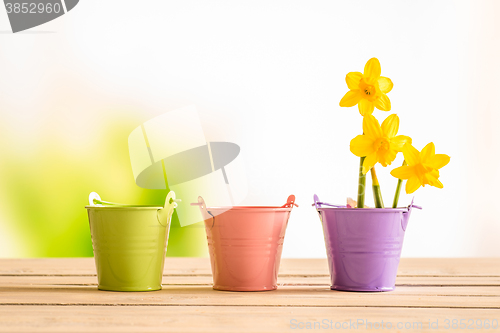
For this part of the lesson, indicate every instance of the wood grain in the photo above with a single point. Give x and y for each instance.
(91, 280)
(295, 267)
(224, 319)
(60, 295)
(285, 296)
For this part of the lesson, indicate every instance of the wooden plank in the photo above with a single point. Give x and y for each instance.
(284, 296)
(77, 280)
(407, 267)
(289, 267)
(416, 288)
(449, 267)
(231, 319)
(60, 295)
(86, 266)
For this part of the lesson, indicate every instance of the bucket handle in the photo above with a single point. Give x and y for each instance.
(95, 200)
(165, 214)
(204, 211)
(413, 206)
(290, 202)
(318, 203)
(405, 219)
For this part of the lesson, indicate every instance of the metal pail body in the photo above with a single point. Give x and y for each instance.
(129, 247)
(363, 246)
(245, 245)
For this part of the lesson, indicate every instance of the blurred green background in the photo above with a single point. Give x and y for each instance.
(45, 183)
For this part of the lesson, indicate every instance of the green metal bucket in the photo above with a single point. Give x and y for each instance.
(129, 243)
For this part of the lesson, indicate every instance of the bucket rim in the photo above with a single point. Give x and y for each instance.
(372, 210)
(274, 208)
(127, 207)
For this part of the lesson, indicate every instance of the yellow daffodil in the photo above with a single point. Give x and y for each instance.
(368, 90)
(378, 143)
(423, 167)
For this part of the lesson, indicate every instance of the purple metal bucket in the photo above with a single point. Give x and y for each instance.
(363, 245)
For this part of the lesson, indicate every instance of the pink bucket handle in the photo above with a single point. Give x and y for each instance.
(290, 202)
(203, 208)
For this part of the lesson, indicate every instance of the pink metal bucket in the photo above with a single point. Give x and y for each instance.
(245, 244)
(363, 245)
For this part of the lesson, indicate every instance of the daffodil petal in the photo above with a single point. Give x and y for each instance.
(369, 162)
(371, 127)
(438, 161)
(352, 79)
(351, 98)
(403, 172)
(433, 172)
(385, 84)
(386, 157)
(428, 173)
(362, 145)
(412, 155)
(398, 142)
(365, 107)
(433, 180)
(383, 103)
(437, 183)
(390, 125)
(412, 184)
(372, 69)
(428, 152)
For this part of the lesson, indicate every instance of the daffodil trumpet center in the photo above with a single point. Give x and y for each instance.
(369, 91)
(381, 144)
(421, 171)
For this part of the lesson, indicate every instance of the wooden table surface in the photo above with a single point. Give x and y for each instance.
(60, 295)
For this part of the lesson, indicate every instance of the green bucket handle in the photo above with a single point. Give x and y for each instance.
(163, 214)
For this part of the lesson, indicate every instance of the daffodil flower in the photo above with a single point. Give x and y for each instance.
(378, 143)
(368, 90)
(423, 167)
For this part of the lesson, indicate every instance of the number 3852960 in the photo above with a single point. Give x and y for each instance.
(32, 8)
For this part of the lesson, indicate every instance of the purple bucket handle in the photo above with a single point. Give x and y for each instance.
(413, 206)
(406, 218)
(318, 203)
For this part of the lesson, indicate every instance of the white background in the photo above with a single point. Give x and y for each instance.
(269, 75)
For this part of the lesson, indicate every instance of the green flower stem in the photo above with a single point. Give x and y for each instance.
(377, 194)
(361, 185)
(398, 191)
